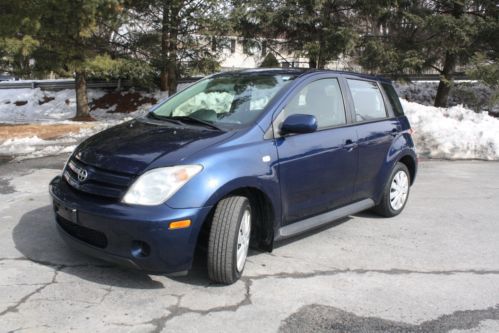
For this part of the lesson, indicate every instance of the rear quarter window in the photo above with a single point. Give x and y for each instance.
(394, 99)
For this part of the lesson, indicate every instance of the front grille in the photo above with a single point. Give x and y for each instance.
(87, 235)
(97, 181)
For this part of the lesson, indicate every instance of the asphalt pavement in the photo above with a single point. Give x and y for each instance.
(434, 268)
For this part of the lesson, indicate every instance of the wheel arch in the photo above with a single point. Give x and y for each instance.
(400, 152)
(411, 163)
(262, 199)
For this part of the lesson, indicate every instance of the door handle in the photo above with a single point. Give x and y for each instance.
(394, 132)
(350, 145)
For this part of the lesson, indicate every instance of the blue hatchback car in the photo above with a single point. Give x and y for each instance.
(246, 158)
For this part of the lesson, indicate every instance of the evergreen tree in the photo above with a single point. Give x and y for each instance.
(72, 34)
(176, 35)
(270, 61)
(18, 25)
(321, 30)
(416, 35)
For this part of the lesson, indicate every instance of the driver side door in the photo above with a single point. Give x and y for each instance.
(316, 170)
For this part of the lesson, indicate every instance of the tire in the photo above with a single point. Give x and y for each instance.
(230, 220)
(388, 207)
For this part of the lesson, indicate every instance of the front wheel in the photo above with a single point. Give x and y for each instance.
(229, 240)
(396, 192)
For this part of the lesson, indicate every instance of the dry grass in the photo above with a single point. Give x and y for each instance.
(45, 131)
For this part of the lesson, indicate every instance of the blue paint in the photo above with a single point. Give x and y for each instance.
(306, 171)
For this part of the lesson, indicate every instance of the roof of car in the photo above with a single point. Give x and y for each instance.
(299, 71)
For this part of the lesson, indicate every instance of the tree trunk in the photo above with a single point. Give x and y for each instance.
(321, 62)
(82, 110)
(326, 21)
(312, 62)
(446, 80)
(172, 47)
(164, 47)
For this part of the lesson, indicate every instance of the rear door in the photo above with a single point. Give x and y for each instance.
(376, 129)
(316, 170)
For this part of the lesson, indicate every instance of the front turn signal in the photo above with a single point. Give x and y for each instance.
(180, 224)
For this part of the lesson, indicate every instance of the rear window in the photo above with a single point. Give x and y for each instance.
(394, 99)
(367, 100)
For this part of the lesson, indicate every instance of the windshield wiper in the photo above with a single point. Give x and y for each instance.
(164, 118)
(198, 121)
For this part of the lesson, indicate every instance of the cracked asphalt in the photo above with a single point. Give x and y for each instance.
(435, 268)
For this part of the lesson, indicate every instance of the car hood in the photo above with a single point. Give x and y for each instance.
(132, 146)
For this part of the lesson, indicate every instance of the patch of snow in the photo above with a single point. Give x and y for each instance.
(32, 147)
(59, 110)
(453, 133)
(62, 105)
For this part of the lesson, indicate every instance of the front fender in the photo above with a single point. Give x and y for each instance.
(230, 167)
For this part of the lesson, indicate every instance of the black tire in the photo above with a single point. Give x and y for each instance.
(384, 208)
(222, 244)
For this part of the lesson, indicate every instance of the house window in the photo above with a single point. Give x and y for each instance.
(232, 46)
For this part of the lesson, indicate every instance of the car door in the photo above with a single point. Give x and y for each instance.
(316, 170)
(376, 129)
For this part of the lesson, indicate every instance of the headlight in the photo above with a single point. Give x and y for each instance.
(157, 185)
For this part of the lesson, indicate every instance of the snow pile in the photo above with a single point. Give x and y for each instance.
(453, 133)
(449, 133)
(472, 94)
(43, 106)
(36, 105)
(33, 146)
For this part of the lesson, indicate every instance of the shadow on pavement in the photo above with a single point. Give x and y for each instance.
(367, 214)
(36, 237)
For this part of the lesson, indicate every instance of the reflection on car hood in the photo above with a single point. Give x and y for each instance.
(132, 146)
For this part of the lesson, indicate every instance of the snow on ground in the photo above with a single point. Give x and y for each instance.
(453, 133)
(472, 94)
(42, 106)
(449, 133)
(36, 106)
(33, 146)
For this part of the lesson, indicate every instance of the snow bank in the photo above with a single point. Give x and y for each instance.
(18, 106)
(43, 106)
(453, 133)
(472, 94)
(36, 105)
(449, 133)
(33, 146)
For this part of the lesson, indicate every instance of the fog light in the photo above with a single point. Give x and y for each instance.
(140, 249)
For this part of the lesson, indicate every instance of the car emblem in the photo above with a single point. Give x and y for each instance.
(82, 175)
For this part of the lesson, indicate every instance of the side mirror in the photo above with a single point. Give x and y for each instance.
(299, 124)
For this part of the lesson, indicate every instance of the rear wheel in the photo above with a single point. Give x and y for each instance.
(229, 239)
(396, 192)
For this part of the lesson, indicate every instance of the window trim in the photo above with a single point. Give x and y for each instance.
(389, 103)
(388, 112)
(276, 118)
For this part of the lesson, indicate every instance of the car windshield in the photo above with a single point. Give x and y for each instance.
(227, 100)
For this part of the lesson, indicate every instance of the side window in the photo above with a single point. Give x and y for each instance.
(367, 100)
(394, 99)
(322, 99)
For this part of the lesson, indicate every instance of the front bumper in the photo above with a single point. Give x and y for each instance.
(132, 236)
